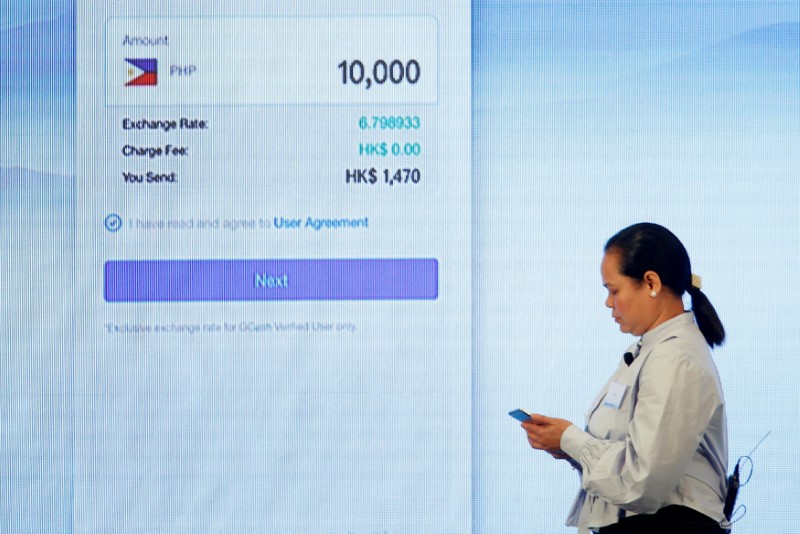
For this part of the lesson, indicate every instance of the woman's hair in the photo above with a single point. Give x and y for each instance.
(650, 247)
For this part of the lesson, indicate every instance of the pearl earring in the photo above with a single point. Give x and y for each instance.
(653, 294)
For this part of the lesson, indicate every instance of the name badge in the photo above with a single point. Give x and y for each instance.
(616, 392)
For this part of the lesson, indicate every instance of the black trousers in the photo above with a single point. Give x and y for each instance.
(668, 520)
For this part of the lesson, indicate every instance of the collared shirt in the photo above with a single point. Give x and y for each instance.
(656, 434)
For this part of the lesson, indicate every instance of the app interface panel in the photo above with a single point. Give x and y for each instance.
(274, 239)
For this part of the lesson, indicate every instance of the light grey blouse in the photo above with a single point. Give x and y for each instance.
(656, 434)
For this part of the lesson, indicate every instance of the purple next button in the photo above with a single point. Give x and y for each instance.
(250, 280)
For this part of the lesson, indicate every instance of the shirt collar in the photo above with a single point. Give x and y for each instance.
(665, 330)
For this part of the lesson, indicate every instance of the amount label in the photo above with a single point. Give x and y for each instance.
(382, 72)
(372, 176)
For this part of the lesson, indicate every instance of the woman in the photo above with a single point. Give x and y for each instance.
(653, 457)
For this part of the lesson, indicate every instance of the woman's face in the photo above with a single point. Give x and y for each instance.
(631, 305)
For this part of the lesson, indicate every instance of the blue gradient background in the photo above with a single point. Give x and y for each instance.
(588, 116)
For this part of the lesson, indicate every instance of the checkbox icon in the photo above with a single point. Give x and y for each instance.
(113, 222)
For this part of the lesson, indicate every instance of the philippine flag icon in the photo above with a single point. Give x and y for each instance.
(142, 72)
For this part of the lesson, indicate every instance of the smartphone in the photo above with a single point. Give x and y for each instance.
(520, 415)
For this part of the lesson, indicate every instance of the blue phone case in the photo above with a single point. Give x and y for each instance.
(520, 415)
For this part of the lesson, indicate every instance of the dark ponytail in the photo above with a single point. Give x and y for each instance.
(706, 316)
(650, 247)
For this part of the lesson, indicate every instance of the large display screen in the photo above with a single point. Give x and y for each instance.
(285, 267)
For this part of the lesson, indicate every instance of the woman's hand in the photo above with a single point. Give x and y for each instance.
(544, 433)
